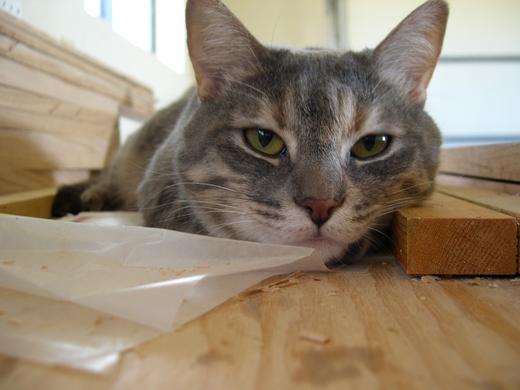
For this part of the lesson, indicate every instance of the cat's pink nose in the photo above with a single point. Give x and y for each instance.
(320, 210)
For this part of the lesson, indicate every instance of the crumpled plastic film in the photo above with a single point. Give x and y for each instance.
(78, 294)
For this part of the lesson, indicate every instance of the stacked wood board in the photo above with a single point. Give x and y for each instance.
(59, 109)
(471, 226)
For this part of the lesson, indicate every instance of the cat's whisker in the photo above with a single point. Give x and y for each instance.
(380, 232)
(214, 212)
(221, 226)
(174, 214)
(175, 202)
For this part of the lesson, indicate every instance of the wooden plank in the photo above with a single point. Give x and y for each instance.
(31, 204)
(30, 102)
(449, 236)
(507, 204)
(500, 161)
(66, 123)
(22, 149)
(38, 40)
(386, 331)
(19, 76)
(21, 180)
(483, 184)
(29, 56)
(39, 141)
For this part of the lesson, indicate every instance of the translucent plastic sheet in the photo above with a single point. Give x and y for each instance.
(77, 294)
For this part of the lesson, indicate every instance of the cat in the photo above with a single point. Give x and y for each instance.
(309, 147)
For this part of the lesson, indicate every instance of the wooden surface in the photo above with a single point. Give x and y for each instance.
(500, 161)
(36, 203)
(482, 184)
(386, 330)
(449, 236)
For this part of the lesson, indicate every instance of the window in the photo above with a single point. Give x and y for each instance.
(156, 26)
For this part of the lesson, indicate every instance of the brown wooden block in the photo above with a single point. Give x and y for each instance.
(31, 203)
(500, 161)
(504, 203)
(449, 236)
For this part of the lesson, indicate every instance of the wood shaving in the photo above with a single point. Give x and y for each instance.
(316, 279)
(333, 293)
(474, 281)
(99, 321)
(288, 281)
(283, 284)
(314, 337)
(429, 279)
(515, 281)
(492, 285)
(8, 262)
(422, 298)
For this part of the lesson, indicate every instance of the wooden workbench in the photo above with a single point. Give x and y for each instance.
(386, 330)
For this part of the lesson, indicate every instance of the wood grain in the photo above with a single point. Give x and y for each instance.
(20, 76)
(33, 103)
(50, 141)
(482, 184)
(386, 330)
(504, 203)
(36, 150)
(449, 236)
(31, 203)
(500, 161)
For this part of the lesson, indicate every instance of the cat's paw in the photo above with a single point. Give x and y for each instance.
(68, 200)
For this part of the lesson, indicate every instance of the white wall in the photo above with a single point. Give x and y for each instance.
(293, 23)
(67, 21)
(467, 98)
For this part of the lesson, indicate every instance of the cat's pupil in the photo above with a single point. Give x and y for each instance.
(369, 142)
(264, 137)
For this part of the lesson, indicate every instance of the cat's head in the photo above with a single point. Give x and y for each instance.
(310, 147)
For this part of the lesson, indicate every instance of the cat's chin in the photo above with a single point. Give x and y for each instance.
(324, 248)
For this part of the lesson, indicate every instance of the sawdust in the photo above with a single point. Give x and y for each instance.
(99, 321)
(474, 282)
(429, 279)
(288, 281)
(8, 262)
(14, 322)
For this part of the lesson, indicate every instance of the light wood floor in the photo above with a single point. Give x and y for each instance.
(386, 330)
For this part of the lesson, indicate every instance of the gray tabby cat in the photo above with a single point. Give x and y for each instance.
(305, 147)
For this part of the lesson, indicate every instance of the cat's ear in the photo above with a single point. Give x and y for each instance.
(221, 49)
(408, 55)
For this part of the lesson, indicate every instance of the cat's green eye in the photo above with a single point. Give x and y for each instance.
(264, 141)
(370, 146)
